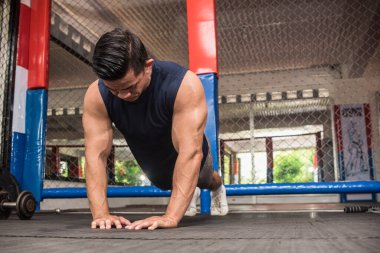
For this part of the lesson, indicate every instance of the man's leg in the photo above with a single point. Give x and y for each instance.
(219, 205)
(216, 182)
(210, 179)
(192, 208)
(206, 180)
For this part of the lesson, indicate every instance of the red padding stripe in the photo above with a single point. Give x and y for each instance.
(39, 44)
(202, 36)
(23, 36)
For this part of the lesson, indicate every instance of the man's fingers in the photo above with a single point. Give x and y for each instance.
(152, 223)
(117, 224)
(110, 221)
(108, 224)
(102, 224)
(134, 224)
(154, 226)
(144, 224)
(124, 221)
(117, 221)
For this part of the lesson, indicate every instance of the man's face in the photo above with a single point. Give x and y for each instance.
(131, 86)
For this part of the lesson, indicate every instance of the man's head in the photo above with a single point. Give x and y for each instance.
(121, 60)
(116, 52)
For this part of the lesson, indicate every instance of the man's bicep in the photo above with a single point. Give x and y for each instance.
(96, 124)
(190, 113)
(96, 129)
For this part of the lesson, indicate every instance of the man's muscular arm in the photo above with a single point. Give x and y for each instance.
(189, 120)
(98, 142)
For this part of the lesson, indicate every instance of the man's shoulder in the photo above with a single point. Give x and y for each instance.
(93, 104)
(92, 94)
(92, 88)
(191, 89)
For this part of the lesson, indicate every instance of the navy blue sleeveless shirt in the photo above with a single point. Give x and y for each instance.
(146, 123)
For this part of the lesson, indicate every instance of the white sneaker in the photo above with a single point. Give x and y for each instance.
(192, 209)
(219, 205)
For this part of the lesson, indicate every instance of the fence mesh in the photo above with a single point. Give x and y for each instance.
(290, 73)
(297, 88)
(5, 68)
(276, 141)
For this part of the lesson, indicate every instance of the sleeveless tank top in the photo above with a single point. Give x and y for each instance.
(146, 123)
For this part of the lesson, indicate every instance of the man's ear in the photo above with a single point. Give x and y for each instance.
(148, 66)
(149, 63)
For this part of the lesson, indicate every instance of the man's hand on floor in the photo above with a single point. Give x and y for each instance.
(153, 222)
(108, 221)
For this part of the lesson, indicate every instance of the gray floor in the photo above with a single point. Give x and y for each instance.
(249, 232)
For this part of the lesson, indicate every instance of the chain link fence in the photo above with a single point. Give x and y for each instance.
(297, 84)
(288, 70)
(283, 140)
(7, 47)
(4, 16)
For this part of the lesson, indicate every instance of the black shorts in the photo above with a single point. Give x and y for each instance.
(164, 180)
(206, 172)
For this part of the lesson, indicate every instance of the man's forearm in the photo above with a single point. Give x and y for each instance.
(96, 183)
(185, 180)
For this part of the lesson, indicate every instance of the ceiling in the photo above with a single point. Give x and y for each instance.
(260, 43)
(253, 35)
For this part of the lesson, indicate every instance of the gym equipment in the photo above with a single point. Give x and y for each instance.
(11, 199)
(361, 209)
(9, 184)
(25, 205)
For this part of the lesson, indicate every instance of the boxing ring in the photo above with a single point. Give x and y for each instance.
(29, 141)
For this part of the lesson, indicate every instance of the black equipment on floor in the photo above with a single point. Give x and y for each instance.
(11, 199)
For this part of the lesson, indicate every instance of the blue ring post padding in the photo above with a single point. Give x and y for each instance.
(205, 201)
(35, 130)
(210, 86)
(18, 155)
(232, 190)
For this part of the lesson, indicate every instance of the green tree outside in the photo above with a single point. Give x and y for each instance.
(292, 167)
(127, 172)
(227, 164)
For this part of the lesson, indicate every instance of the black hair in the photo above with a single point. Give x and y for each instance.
(116, 52)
